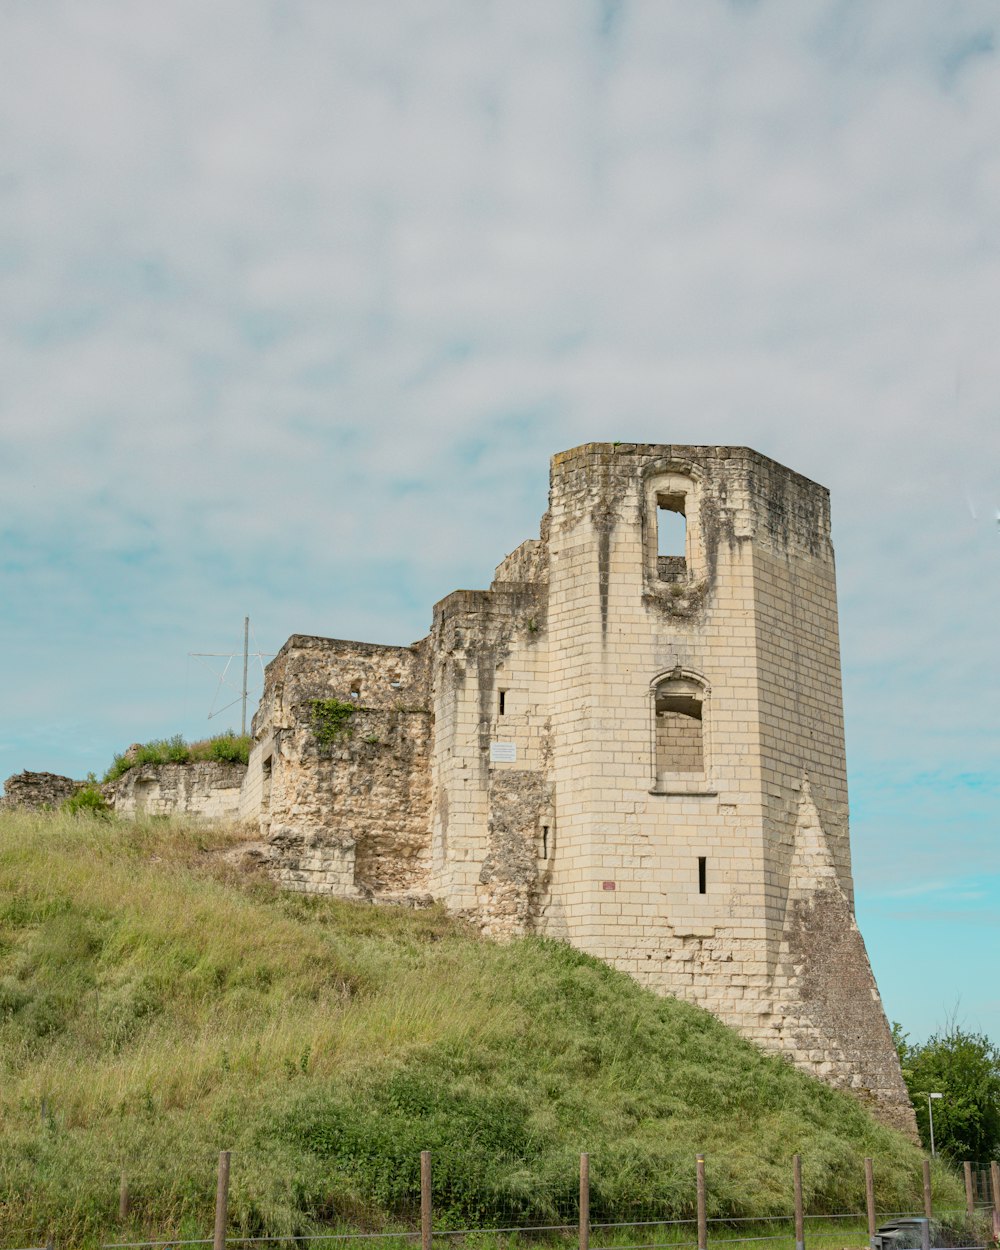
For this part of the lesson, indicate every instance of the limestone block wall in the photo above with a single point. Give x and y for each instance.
(204, 790)
(679, 743)
(660, 871)
(683, 876)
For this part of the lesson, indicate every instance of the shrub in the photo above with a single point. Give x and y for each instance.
(88, 801)
(227, 748)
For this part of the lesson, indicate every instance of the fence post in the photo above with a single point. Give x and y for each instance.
(425, 1200)
(800, 1232)
(925, 1234)
(928, 1209)
(123, 1202)
(870, 1201)
(221, 1202)
(585, 1202)
(702, 1204)
(995, 1186)
(970, 1201)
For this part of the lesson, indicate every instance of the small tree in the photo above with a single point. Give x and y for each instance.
(965, 1069)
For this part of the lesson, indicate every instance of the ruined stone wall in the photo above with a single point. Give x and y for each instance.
(348, 815)
(202, 790)
(528, 563)
(492, 799)
(38, 790)
(640, 752)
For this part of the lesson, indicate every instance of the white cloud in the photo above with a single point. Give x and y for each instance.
(299, 297)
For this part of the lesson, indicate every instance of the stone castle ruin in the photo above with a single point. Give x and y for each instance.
(205, 790)
(633, 741)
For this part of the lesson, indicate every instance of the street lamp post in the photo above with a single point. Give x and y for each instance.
(930, 1117)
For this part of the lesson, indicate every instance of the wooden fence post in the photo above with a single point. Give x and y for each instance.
(221, 1202)
(970, 1201)
(702, 1203)
(123, 1202)
(995, 1186)
(585, 1202)
(800, 1231)
(928, 1208)
(425, 1200)
(870, 1201)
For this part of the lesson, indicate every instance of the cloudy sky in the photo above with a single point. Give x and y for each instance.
(297, 297)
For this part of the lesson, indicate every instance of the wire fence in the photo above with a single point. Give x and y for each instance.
(570, 1220)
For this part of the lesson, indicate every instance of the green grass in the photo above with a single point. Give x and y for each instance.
(162, 1005)
(227, 748)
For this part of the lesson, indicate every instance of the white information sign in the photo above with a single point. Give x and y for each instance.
(503, 752)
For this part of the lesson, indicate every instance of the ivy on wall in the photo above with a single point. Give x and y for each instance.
(331, 718)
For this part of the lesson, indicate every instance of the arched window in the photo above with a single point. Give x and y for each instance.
(679, 704)
(671, 537)
(673, 545)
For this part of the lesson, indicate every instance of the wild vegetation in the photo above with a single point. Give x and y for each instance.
(88, 800)
(227, 748)
(158, 1004)
(962, 1071)
(330, 719)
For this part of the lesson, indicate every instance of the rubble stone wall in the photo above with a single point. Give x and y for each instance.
(38, 790)
(348, 815)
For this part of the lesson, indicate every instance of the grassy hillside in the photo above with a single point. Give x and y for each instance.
(157, 1005)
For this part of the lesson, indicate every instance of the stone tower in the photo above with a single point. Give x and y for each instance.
(633, 740)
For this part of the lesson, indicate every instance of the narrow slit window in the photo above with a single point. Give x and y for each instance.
(702, 875)
(502, 703)
(671, 537)
(545, 841)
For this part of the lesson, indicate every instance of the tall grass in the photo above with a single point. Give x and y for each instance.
(226, 748)
(157, 1005)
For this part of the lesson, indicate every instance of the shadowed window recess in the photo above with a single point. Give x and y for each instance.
(680, 743)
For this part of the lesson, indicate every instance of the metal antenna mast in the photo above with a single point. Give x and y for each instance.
(230, 656)
(246, 647)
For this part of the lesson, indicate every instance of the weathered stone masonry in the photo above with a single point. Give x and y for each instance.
(38, 790)
(638, 749)
(351, 816)
(201, 790)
